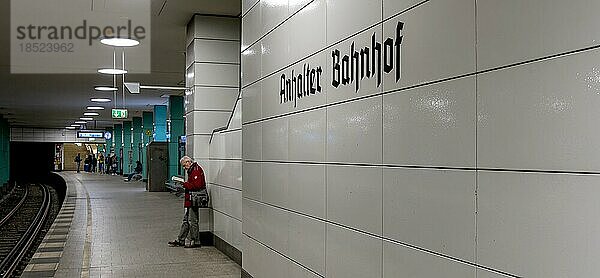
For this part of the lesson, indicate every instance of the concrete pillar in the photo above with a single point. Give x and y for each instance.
(137, 140)
(127, 150)
(160, 123)
(148, 127)
(118, 138)
(177, 126)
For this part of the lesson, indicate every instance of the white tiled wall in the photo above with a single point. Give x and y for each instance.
(212, 82)
(480, 161)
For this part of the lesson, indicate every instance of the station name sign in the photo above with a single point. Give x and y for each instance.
(90, 134)
(347, 69)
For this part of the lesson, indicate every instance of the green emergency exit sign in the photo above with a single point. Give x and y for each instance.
(119, 113)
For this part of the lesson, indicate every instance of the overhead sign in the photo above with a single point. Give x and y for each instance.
(119, 113)
(107, 135)
(90, 134)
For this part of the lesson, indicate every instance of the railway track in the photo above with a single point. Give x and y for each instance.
(20, 226)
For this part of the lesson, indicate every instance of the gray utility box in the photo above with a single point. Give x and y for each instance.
(158, 166)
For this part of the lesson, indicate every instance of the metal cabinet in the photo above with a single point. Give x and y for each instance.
(158, 166)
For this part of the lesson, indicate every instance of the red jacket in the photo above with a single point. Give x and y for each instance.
(195, 182)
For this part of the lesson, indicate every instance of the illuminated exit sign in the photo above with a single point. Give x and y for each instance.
(119, 113)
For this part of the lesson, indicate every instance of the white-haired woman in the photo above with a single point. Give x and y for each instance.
(189, 226)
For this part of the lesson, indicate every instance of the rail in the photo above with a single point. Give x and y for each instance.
(14, 257)
(15, 209)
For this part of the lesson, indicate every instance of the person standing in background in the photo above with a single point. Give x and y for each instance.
(94, 163)
(78, 161)
(101, 163)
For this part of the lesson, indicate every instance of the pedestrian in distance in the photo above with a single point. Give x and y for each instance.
(94, 163)
(78, 161)
(101, 163)
(189, 226)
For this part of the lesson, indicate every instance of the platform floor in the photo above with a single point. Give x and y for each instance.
(110, 228)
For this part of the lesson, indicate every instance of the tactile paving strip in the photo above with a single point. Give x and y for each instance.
(45, 261)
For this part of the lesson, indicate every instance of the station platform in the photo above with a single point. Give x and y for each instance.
(111, 228)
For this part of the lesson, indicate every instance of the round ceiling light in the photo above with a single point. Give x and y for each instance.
(112, 71)
(86, 119)
(119, 42)
(100, 100)
(91, 114)
(95, 108)
(105, 88)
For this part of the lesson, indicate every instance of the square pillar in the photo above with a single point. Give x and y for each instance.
(177, 128)
(118, 139)
(160, 123)
(148, 127)
(127, 150)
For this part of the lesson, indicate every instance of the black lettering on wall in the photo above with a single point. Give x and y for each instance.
(282, 94)
(397, 44)
(358, 64)
(307, 82)
(388, 55)
(376, 58)
(335, 75)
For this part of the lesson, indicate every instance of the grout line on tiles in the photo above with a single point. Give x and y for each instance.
(533, 171)
(382, 157)
(276, 26)
(225, 186)
(247, 11)
(476, 141)
(283, 255)
(383, 238)
(226, 214)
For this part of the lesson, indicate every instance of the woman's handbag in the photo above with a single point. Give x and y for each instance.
(199, 198)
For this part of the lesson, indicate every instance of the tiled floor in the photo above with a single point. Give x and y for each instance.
(127, 235)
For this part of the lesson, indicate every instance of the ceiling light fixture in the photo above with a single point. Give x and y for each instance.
(106, 88)
(112, 71)
(119, 42)
(86, 119)
(75, 125)
(81, 122)
(91, 114)
(100, 100)
(69, 127)
(95, 108)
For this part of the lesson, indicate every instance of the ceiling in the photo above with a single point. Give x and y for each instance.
(57, 100)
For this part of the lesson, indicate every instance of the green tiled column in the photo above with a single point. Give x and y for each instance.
(4, 153)
(160, 123)
(137, 140)
(118, 139)
(177, 130)
(148, 127)
(127, 163)
(109, 142)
